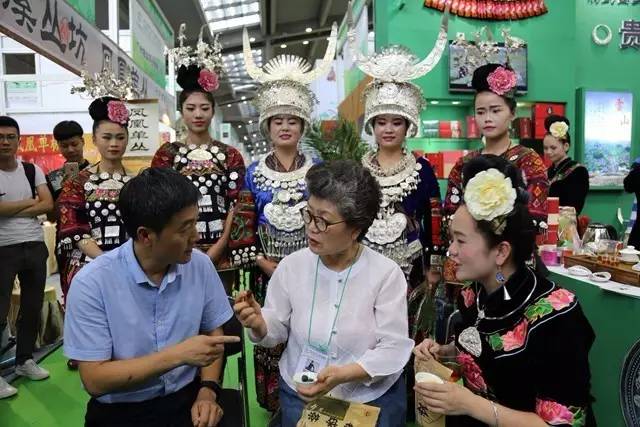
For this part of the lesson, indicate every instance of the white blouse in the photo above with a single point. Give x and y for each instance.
(371, 328)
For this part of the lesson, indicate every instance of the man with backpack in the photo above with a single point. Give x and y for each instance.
(23, 196)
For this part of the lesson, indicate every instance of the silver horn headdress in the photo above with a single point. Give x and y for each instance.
(392, 69)
(284, 82)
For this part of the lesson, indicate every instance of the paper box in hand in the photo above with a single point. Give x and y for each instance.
(328, 411)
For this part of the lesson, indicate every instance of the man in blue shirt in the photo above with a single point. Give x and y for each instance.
(142, 318)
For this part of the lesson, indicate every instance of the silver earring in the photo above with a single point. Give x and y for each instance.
(501, 281)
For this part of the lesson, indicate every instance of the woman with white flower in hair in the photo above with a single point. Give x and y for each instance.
(568, 179)
(523, 360)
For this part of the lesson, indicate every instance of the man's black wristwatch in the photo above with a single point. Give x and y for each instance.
(212, 385)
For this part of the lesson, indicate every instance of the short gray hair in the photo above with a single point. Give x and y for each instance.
(349, 186)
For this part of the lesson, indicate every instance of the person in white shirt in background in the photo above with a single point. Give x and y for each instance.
(340, 306)
(23, 197)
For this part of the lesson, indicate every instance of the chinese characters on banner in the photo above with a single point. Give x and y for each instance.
(55, 30)
(144, 134)
(41, 150)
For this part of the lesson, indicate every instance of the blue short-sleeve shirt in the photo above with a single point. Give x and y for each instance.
(114, 312)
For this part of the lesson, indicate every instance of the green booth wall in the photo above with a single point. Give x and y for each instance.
(561, 58)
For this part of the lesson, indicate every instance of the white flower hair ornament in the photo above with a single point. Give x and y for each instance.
(490, 196)
(559, 130)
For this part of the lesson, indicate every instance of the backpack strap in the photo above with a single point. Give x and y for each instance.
(30, 172)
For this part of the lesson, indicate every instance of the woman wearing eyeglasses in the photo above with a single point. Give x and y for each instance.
(276, 182)
(339, 305)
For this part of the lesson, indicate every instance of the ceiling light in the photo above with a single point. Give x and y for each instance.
(252, 39)
(455, 102)
(308, 29)
(244, 102)
(435, 102)
(250, 121)
(283, 46)
(245, 138)
(305, 42)
(239, 126)
(243, 98)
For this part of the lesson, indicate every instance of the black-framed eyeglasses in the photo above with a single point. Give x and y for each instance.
(320, 223)
(12, 137)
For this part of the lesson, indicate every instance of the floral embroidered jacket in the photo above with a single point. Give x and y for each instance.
(535, 359)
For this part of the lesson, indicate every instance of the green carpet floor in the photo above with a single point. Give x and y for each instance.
(60, 401)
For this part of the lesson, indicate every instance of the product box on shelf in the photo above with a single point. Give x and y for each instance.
(540, 112)
(523, 127)
(437, 163)
(472, 128)
(449, 159)
(456, 129)
(445, 129)
(430, 128)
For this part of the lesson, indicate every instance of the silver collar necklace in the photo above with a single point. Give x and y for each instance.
(469, 338)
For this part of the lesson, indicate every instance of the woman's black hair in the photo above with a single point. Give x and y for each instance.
(480, 83)
(99, 112)
(554, 119)
(519, 231)
(188, 80)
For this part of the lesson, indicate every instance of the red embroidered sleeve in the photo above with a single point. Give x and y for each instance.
(72, 213)
(164, 156)
(535, 175)
(453, 197)
(235, 163)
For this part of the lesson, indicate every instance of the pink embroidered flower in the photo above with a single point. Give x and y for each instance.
(560, 299)
(472, 372)
(553, 413)
(515, 338)
(469, 297)
(117, 112)
(208, 80)
(502, 80)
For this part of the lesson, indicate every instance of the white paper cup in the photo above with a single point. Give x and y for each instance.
(427, 377)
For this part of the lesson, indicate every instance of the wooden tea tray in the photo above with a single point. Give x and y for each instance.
(620, 273)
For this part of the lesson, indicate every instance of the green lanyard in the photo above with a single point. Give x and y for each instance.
(325, 349)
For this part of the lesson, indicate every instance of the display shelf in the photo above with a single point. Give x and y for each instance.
(606, 188)
(434, 145)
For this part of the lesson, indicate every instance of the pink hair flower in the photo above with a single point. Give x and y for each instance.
(117, 112)
(502, 80)
(208, 80)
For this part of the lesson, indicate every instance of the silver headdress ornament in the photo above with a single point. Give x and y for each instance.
(106, 83)
(391, 91)
(284, 82)
(205, 55)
